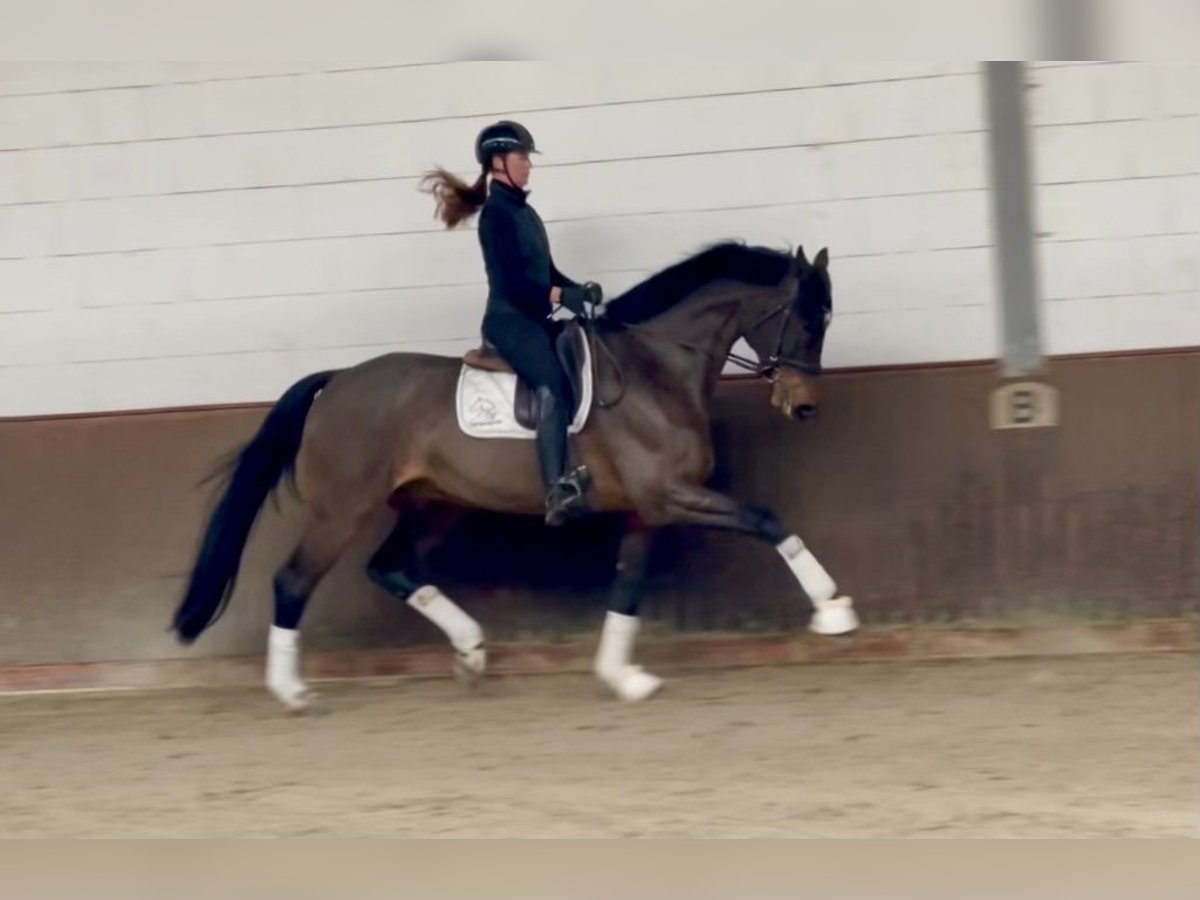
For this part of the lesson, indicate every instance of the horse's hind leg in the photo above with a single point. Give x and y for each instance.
(691, 504)
(397, 568)
(294, 583)
(614, 657)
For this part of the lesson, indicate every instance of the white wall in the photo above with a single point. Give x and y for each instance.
(183, 234)
(1117, 156)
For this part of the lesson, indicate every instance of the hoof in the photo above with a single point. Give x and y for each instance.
(295, 697)
(633, 684)
(833, 617)
(469, 665)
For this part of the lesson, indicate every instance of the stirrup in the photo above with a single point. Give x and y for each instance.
(566, 496)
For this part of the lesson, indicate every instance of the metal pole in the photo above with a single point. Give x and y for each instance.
(1012, 214)
(1070, 29)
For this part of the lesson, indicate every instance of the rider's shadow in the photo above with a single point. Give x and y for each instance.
(565, 573)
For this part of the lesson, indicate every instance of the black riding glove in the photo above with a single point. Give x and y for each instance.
(575, 297)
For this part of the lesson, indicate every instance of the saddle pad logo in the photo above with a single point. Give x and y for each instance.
(483, 412)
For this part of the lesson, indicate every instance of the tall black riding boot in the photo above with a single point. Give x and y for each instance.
(564, 491)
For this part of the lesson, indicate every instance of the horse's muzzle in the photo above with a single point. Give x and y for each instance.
(794, 396)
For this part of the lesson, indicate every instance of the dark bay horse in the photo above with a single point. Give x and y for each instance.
(384, 434)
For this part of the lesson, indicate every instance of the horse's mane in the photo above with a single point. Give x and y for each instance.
(664, 290)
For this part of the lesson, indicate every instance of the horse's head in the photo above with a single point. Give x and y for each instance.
(789, 334)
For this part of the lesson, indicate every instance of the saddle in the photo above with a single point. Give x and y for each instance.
(570, 345)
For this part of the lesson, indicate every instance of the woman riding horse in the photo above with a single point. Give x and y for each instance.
(382, 437)
(524, 287)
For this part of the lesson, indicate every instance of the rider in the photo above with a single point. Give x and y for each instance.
(524, 287)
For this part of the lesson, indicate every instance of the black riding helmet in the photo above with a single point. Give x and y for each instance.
(502, 137)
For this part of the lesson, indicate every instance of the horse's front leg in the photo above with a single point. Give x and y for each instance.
(695, 505)
(613, 665)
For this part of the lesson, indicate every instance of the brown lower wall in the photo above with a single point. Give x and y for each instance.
(920, 511)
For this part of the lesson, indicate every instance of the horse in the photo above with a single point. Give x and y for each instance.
(383, 437)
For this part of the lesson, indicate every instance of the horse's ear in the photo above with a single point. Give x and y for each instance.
(822, 260)
(801, 258)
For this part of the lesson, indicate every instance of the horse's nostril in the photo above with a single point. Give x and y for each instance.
(806, 411)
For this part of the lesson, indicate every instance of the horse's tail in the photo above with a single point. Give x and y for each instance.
(257, 470)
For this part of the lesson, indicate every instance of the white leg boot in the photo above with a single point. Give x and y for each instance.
(613, 666)
(833, 615)
(283, 669)
(465, 634)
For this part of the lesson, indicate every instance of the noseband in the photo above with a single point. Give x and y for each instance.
(769, 368)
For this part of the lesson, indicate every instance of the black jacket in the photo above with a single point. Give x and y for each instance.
(516, 254)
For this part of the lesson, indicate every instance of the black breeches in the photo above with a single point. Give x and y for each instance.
(528, 347)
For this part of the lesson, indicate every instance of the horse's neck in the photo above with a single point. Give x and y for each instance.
(712, 317)
(708, 322)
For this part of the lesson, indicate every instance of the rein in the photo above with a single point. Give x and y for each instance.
(768, 368)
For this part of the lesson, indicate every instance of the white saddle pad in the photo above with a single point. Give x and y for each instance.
(484, 401)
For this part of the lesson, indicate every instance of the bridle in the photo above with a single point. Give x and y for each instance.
(769, 368)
